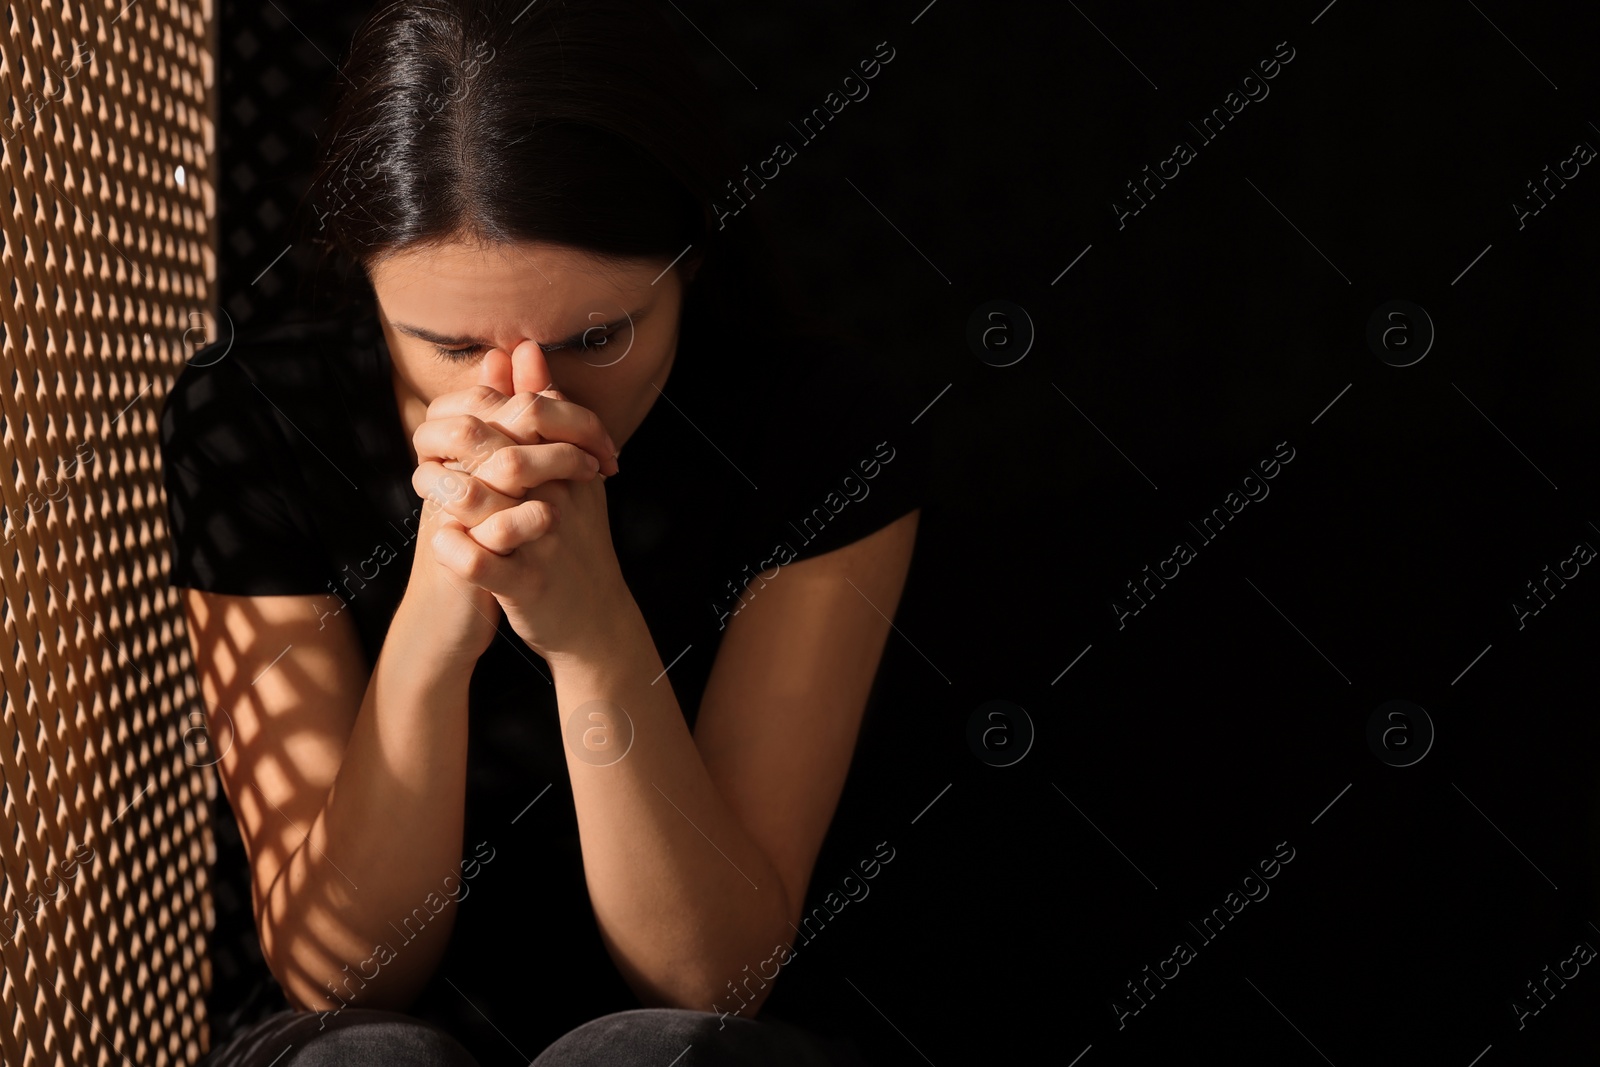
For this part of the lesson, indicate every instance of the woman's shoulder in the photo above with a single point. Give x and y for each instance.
(837, 443)
(283, 352)
(279, 403)
(837, 394)
(276, 368)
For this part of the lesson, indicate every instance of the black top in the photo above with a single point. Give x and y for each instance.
(287, 472)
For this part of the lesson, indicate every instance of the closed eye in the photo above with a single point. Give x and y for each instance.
(591, 340)
(460, 355)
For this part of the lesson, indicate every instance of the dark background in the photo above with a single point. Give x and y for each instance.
(1177, 352)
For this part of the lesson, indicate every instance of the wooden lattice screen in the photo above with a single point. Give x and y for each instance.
(109, 249)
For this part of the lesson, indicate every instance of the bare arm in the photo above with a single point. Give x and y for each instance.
(349, 779)
(699, 848)
(349, 788)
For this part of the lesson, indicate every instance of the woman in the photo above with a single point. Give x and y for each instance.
(527, 754)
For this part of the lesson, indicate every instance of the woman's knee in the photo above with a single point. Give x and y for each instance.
(683, 1038)
(354, 1037)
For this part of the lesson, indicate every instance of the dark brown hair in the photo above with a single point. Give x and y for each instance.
(581, 123)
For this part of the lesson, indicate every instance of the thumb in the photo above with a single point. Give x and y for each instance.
(530, 370)
(496, 371)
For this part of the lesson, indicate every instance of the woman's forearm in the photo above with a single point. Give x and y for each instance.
(684, 896)
(361, 912)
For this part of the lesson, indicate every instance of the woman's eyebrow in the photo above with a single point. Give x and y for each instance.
(574, 339)
(438, 339)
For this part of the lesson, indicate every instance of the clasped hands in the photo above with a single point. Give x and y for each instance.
(521, 471)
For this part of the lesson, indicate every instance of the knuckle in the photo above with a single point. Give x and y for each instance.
(454, 488)
(492, 533)
(512, 414)
(475, 567)
(535, 409)
(499, 463)
(488, 445)
(520, 467)
(470, 437)
(533, 521)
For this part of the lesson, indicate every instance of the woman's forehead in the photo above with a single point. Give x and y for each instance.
(510, 264)
(526, 275)
(459, 293)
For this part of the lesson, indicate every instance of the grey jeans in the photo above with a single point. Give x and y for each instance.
(358, 1037)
